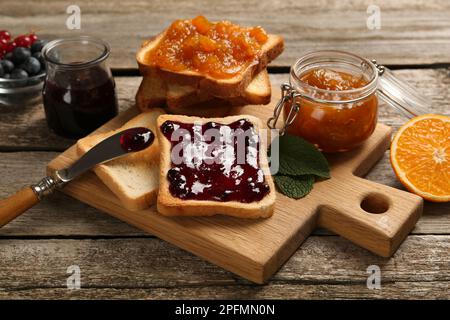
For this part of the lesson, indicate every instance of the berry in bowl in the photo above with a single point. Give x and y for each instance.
(22, 67)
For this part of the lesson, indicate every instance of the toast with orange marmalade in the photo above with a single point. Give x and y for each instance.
(198, 61)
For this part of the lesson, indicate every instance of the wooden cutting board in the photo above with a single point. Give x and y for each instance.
(255, 249)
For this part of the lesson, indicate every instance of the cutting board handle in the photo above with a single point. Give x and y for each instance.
(15, 205)
(374, 216)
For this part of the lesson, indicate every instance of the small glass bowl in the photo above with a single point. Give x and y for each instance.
(19, 91)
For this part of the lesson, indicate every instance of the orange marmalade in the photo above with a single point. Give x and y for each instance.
(334, 127)
(219, 49)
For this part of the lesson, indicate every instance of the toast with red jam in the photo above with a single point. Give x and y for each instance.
(213, 166)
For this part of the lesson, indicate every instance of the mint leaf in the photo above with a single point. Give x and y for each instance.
(300, 162)
(299, 157)
(294, 187)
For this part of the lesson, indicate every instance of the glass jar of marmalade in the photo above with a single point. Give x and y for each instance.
(331, 99)
(79, 90)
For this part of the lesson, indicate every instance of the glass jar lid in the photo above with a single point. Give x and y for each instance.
(399, 94)
(75, 53)
(394, 91)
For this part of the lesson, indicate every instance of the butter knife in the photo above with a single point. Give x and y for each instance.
(113, 147)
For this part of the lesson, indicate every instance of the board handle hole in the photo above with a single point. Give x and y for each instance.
(375, 203)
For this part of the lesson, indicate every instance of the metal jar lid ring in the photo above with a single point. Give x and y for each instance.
(288, 95)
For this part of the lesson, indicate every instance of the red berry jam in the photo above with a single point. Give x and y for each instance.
(214, 161)
(78, 102)
(136, 139)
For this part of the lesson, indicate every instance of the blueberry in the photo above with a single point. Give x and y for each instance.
(173, 174)
(7, 65)
(20, 55)
(31, 66)
(2, 72)
(245, 124)
(38, 45)
(210, 125)
(167, 127)
(8, 56)
(40, 57)
(19, 74)
(6, 76)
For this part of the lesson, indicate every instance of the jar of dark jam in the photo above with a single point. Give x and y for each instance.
(79, 90)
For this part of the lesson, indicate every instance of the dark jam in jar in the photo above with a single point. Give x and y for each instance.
(214, 161)
(136, 139)
(79, 101)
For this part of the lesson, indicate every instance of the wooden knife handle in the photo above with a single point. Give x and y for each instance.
(17, 204)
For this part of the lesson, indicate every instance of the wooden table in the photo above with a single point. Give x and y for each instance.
(119, 261)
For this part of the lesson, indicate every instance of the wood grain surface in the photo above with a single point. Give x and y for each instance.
(412, 31)
(120, 261)
(323, 268)
(24, 127)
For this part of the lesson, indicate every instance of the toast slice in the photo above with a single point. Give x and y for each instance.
(222, 88)
(154, 92)
(172, 205)
(257, 92)
(133, 178)
(207, 109)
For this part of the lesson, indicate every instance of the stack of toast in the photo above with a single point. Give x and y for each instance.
(190, 92)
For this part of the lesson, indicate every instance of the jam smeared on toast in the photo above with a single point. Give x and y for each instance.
(136, 139)
(219, 49)
(215, 162)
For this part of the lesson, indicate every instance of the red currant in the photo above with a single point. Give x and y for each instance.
(5, 35)
(33, 37)
(10, 46)
(23, 41)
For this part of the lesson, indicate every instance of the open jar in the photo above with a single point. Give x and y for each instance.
(331, 99)
(79, 90)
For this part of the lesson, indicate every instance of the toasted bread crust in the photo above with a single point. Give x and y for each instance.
(259, 91)
(151, 92)
(207, 109)
(173, 206)
(131, 203)
(154, 92)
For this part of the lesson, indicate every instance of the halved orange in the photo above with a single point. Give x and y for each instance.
(420, 156)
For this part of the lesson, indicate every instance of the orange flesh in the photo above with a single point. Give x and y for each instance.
(330, 128)
(220, 49)
(422, 157)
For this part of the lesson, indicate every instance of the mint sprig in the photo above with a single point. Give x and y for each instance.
(299, 157)
(300, 165)
(294, 187)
